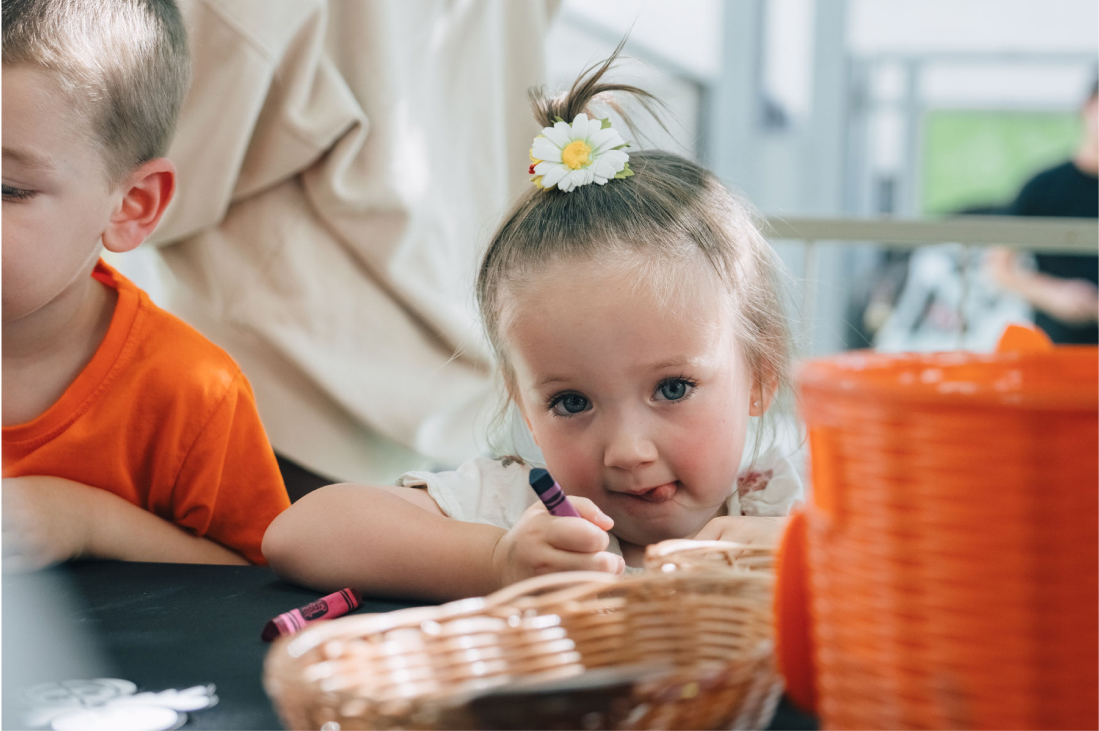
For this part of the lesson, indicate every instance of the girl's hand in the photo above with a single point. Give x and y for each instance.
(746, 529)
(45, 521)
(540, 543)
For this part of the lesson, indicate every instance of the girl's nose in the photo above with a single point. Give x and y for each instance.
(629, 447)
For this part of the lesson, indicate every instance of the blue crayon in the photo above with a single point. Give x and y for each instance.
(551, 494)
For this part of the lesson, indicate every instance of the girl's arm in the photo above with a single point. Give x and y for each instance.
(385, 541)
(395, 541)
(50, 519)
(747, 529)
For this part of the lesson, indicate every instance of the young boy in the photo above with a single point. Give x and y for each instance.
(126, 434)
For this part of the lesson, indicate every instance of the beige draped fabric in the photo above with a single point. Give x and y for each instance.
(341, 166)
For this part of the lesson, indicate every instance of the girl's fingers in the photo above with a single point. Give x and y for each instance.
(591, 512)
(749, 530)
(576, 535)
(712, 531)
(611, 563)
(569, 561)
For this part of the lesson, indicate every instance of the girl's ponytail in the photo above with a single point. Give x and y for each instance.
(587, 87)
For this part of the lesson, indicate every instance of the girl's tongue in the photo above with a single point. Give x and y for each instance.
(660, 493)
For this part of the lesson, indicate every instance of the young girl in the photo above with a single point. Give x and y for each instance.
(632, 306)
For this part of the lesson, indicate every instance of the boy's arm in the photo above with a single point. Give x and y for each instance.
(382, 542)
(229, 487)
(51, 519)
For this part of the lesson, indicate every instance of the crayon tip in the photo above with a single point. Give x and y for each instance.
(540, 480)
(270, 631)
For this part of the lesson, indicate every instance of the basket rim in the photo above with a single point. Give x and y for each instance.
(537, 593)
(680, 545)
(912, 378)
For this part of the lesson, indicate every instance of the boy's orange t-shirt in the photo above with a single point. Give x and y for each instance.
(165, 419)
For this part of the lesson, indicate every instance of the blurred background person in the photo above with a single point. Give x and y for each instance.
(341, 164)
(351, 157)
(1063, 287)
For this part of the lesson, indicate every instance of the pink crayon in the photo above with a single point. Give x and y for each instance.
(329, 607)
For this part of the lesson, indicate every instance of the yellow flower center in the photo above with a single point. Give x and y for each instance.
(576, 154)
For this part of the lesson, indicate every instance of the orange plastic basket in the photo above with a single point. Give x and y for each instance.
(953, 538)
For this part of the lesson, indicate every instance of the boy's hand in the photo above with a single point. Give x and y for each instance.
(746, 529)
(45, 521)
(540, 543)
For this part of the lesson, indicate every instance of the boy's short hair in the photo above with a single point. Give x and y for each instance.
(123, 63)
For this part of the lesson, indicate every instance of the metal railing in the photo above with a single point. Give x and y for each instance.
(1032, 234)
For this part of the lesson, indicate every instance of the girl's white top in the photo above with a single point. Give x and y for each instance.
(497, 491)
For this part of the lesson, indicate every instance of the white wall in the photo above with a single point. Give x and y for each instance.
(686, 31)
(972, 25)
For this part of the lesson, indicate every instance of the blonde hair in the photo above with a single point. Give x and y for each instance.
(123, 63)
(671, 210)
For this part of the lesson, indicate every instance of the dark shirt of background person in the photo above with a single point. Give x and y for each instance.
(1064, 290)
(1065, 190)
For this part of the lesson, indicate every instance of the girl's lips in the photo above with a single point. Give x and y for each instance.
(658, 494)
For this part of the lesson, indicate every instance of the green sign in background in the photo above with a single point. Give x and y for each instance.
(978, 158)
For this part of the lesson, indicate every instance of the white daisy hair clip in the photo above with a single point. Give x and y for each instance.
(570, 155)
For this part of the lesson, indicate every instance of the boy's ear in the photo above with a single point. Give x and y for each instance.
(146, 192)
(763, 393)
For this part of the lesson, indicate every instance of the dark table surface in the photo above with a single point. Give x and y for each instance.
(165, 626)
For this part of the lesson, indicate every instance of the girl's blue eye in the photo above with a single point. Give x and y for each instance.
(674, 389)
(569, 404)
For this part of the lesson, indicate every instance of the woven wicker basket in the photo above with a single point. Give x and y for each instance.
(680, 554)
(952, 540)
(668, 649)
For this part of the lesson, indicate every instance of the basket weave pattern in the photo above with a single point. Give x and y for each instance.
(683, 554)
(953, 545)
(706, 626)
